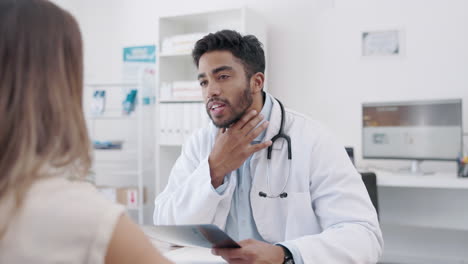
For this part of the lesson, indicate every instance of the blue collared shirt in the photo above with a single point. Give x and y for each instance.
(240, 223)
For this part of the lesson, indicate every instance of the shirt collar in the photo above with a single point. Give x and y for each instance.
(266, 112)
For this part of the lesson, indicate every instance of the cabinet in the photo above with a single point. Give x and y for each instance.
(126, 166)
(424, 218)
(180, 110)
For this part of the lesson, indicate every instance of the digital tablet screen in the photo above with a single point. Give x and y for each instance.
(209, 236)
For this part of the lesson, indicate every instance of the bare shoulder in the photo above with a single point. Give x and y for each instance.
(130, 245)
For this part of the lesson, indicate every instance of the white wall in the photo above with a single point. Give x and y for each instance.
(315, 65)
(434, 63)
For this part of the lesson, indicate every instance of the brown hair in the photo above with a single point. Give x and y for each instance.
(42, 127)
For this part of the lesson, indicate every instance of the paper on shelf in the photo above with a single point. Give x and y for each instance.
(180, 44)
(187, 121)
(179, 123)
(163, 117)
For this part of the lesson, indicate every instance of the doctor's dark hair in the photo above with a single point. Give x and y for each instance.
(248, 49)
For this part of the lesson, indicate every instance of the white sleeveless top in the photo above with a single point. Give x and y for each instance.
(60, 221)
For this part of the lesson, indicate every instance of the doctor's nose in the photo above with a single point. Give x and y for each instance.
(213, 90)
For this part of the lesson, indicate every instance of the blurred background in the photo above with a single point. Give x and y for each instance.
(405, 61)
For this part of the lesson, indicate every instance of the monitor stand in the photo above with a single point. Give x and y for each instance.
(416, 168)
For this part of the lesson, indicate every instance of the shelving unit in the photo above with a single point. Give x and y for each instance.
(118, 167)
(176, 119)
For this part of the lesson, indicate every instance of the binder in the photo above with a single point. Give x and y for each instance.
(195, 117)
(171, 124)
(204, 119)
(179, 123)
(163, 125)
(187, 129)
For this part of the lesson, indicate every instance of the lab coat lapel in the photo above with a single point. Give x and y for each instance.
(272, 130)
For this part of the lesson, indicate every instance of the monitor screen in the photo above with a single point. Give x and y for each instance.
(418, 130)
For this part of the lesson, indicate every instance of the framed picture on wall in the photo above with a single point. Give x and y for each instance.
(381, 43)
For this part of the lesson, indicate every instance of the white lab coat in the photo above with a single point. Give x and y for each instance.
(327, 214)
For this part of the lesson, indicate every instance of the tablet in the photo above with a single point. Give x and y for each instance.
(208, 236)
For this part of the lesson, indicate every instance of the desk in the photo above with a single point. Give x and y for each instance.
(183, 255)
(191, 255)
(424, 218)
(437, 180)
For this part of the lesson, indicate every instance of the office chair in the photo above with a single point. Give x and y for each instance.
(370, 181)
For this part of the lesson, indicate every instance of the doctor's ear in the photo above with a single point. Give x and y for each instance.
(257, 81)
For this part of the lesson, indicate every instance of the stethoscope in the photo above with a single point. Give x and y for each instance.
(280, 134)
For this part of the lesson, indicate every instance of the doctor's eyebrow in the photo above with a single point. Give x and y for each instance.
(214, 71)
(222, 68)
(201, 75)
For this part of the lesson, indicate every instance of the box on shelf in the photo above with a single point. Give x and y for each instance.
(127, 196)
(186, 90)
(181, 90)
(180, 44)
(107, 144)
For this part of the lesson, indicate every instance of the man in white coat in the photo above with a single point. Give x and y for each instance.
(306, 203)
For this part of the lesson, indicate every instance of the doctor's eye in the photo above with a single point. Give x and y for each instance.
(223, 77)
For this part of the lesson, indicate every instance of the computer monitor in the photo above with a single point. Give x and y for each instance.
(417, 130)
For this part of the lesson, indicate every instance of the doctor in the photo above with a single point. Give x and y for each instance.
(296, 202)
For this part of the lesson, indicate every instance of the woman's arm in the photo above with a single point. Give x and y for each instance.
(130, 245)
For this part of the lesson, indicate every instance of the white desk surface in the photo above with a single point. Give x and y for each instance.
(192, 255)
(436, 180)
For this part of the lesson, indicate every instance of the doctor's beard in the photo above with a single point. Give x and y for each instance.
(244, 102)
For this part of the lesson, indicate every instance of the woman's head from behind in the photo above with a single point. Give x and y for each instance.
(42, 127)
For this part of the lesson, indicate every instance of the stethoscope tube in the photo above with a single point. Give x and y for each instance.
(280, 134)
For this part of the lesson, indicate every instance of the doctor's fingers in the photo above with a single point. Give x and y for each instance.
(237, 261)
(220, 132)
(257, 131)
(257, 147)
(234, 259)
(245, 119)
(251, 124)
(228, 253)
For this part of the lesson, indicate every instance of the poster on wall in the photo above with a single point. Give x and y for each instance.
(381, 43)
(139, 67)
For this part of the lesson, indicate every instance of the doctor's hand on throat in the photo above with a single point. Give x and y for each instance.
(252, 251)
(233, 146)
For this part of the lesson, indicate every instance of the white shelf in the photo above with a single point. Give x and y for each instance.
(231, 14)
(176, 119)
(168, 101)
(118, 173)
(104, 117)
(108, 171)
(125, 165)
(112, 84)
(437, 180)
(171, 55)
(170, 145)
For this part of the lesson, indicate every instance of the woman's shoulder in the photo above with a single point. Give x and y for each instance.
(66, 215)
(65, 203)
(62, 195)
